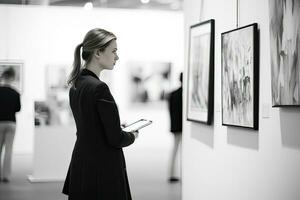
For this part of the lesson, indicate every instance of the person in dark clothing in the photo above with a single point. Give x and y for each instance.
(9, 105)
(97, 169)
(175, 110)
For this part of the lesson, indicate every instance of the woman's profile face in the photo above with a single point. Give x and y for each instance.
(109, 56)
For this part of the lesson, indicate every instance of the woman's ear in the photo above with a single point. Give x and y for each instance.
(97, 53)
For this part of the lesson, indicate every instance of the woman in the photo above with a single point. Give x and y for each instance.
(97, 169)
(9, 105)
(175, 111)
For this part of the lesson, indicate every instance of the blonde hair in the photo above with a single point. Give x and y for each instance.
(95, 39)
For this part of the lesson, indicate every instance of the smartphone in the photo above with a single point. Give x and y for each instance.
(137, 125)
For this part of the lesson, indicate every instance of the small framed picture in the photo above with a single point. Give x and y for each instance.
(200, 94)
(240, 75)
(17, 68)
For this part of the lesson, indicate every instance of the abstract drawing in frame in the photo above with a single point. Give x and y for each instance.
(240, 77)
(149, 81)
(285, 52)
(201, 72)
(55, 109)
(17, 66)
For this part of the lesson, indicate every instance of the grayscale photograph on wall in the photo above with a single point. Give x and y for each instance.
(285, 52)
(149, 81)
(200, 72)
(55, 109)
(240, 77)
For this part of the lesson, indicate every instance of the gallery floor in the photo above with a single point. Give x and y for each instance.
(149, 185)
(147, 164)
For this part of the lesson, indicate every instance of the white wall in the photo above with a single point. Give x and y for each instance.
(40, 36)
(229, 163)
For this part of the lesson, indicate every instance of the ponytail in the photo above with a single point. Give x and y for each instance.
(76, 66)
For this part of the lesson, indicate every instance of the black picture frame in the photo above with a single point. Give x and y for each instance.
(200, 77)
(240, 77)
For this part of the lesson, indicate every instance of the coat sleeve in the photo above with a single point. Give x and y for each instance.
(109, 115)
(18, 103)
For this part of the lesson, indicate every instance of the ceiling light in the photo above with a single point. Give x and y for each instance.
(145, 1)
(88, 6)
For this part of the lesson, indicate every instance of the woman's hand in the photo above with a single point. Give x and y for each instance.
(136, 134)
(123, 125)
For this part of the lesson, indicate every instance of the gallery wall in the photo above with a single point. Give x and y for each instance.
(221, 162)
(42, 36)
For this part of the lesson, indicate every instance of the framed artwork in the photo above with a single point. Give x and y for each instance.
(201, 72)
(55, 109)
(149, 81)
(285, 52)
(240, 75)
(17, 67)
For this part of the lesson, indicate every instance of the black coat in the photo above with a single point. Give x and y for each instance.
(9, 103)
(175, 111)
(97, 169)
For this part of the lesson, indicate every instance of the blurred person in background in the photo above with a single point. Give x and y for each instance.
(175, 110)
(9, 105)
(97, 169)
